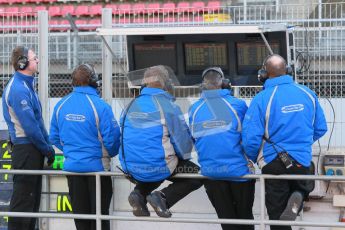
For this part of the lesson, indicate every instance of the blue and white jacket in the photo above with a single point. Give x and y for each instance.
(83, 127)
(155, 135)
(289, 115)
(215, 122)
(23, 113)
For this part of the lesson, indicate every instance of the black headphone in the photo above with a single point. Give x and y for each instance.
(263, 74)
(93, 77)
(226, 84)
(23, 60)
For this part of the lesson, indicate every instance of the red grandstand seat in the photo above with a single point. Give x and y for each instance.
(59, 25)
(124, 8)
(11, 11)
(169, 19)
(28, 25)
(198, 7)
(213, 6)
(81, 10)
(9, 26)
(81, 24)
(152, 8)
(113, 7)
(2, 12)
(67, 9)
(138, 8)
(54, 11)
(95, 10)
(153, 20)
(183, 7)
(139, 20)
(94, 23)
(168, 7)
(4, 1)
(39, 8)
(123, 20)
(27, 10)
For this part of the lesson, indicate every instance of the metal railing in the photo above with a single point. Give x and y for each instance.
(262, 222)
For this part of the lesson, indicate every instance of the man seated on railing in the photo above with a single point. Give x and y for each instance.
(279, 128)
(215, 122)
(83, 127)
(156, 144)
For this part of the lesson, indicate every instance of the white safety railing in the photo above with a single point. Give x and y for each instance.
(262, 222)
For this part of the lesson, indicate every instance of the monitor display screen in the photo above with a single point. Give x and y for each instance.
(151, 54)
(199, 56)
(250, 56)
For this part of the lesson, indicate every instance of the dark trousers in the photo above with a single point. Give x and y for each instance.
(179, 188)
(278, 191)
(26, 196)
(232, 200)
(82, 190)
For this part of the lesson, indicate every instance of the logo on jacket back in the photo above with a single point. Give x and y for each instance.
(75, 117)
(292, 108)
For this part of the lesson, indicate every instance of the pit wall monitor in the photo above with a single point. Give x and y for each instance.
(239, 55)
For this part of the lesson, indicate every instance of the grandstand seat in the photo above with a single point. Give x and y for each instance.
(11, 11)
(169, 19)
(4, 1)
(213, 6)
(59, 25)
(40, 8)
(28, 25)
(94, 23)
(168, 7)
(54, 11)
(152, 8)
(2, 12)
(138, 8)
(183, 7)
(81, 10)
(153, 20)
(124, 20)
(9, 26)
(81, 24)
(95, 10)
(124, 8)
(27, 10)
(67, 9)
(198, 7)
(113, 7)
(139, 20)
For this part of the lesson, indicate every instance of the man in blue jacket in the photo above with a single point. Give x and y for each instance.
(83, 127)
(156, 144)
(280, 126)
(215, 121)
(23, 115)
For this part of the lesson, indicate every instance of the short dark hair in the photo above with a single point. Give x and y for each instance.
(81, 76)
(18, 52)
(212, 80)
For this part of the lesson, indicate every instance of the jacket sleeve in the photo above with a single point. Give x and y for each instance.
(110, 131)
(54, 135)
(180, 136)
(320, 125)
(23, 108)
(253, 129)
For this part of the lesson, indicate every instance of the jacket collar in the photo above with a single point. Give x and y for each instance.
(283, 79)
(29, 80)
(156, 91)
(215, 93)
(86, 90)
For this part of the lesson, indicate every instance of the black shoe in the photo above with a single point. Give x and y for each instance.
(293, 206)
(137, 201)
(158, 202)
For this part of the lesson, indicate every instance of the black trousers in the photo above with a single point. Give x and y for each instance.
(179, 188)
(232, 200)
(278, 191)
(82, 190)
(26, 196)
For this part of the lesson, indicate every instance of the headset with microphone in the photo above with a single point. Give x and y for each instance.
(263, 74)
(226, 84)
(93, 77)
(23, 60)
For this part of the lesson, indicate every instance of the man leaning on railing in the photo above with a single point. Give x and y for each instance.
(279, 128)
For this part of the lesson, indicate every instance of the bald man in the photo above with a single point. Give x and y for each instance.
(279, 128)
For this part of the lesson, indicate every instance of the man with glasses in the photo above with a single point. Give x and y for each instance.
(23, 114)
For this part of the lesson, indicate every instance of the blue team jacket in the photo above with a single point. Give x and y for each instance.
(289, 115)
(155, 135)
(74, 131)
(215, 121)
(23, 113)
